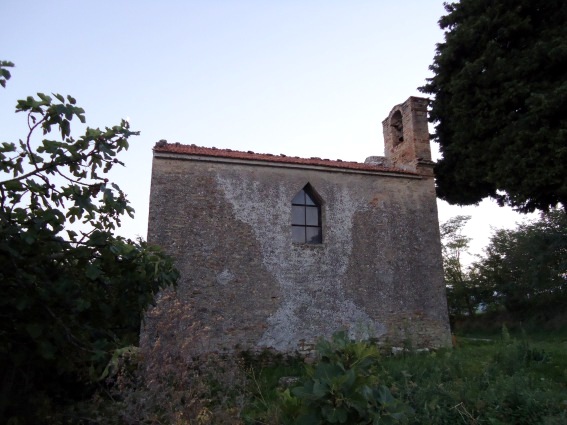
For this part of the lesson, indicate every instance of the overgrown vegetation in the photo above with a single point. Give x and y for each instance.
(462, 294)
(72, 297)
(343, 387)
(524, 270)
(502, 381)
(522, 275)
(508, 379)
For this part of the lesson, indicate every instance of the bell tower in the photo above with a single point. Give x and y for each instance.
(406, 137)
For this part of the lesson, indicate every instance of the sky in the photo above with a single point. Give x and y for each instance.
(308, 78)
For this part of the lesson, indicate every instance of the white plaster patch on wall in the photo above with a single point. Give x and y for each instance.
(287, 326)
(224, 277)
(339, 219)
(262, 211)
(311, 279)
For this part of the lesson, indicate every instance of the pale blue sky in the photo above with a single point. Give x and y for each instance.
(299, 77)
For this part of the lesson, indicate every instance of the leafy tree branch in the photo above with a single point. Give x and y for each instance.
(70, 298)
(5, 74)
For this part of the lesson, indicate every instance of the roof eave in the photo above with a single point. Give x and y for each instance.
(282, 164)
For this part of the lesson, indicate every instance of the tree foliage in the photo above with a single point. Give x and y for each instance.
(456, 274)
(5, 74)
(73, 296)
(500, 96)
(525, 269)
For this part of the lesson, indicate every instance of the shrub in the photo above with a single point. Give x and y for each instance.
(342, 387)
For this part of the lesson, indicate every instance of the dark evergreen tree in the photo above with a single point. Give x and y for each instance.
(500, 96)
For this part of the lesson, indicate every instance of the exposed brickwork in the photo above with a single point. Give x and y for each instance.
(245, 285)
(406, 136)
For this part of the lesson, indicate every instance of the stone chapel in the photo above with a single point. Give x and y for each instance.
(278, 251)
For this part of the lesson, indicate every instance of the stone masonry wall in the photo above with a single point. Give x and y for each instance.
(245, 285)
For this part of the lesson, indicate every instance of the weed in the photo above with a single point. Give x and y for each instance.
(342, 387)
(507, 380)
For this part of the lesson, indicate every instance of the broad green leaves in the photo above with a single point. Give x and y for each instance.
(70, 297)
(343, 388)
(5, 75)
(82, 163)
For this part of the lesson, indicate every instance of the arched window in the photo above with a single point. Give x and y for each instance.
(396, 122)
(306, 217)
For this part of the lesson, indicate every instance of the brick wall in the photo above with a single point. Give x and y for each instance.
(246, 285)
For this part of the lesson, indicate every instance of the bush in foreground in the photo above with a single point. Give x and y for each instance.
(343, 387)
(73, 293)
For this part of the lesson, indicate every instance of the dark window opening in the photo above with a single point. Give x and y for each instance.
(306, 217)
(397, 128)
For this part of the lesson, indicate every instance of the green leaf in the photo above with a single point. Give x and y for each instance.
(65, 128)
(384, 396)
(498, 97)
(334, 415)
(23, 302)
(34, 330)
(327, 371)
(13, 185)
(93, 272)
(308, 418)
(82, 304)
(78, 296)
(29, 238)
(46, 99)
(47, 350)
(4, 73)
(320, 389)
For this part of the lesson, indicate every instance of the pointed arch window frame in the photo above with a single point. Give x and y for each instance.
(306, 217)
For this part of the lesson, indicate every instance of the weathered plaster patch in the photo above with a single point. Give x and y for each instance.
(311, 279)
(225, 277)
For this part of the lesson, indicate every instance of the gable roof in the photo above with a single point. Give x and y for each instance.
(198, 151)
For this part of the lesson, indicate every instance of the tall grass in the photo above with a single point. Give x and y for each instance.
(503, 380)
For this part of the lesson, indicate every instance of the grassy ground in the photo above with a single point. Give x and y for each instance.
(496, 379)
(487, 378)
(508, 382)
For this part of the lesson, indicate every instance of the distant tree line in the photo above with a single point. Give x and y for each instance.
(523, 271)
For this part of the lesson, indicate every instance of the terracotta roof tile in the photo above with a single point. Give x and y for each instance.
(194, 150)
